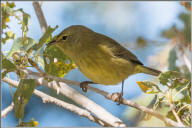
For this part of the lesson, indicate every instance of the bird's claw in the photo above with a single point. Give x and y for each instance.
(83, 86)
(117, 97)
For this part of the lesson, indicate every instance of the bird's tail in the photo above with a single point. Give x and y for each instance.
(147, 70)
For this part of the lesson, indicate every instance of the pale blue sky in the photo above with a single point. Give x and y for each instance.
(123, 21)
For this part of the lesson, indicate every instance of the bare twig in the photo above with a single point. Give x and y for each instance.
(83, 101)
(74, 95)
(7, 110)
(35, 66)
(46, 98)
(175, 114)
(69, 92)
(40, 16)
(152, 112)
(111, 97)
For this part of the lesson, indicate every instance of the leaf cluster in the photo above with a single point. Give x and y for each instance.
(27, 52)
(8, 11)
(173, 88)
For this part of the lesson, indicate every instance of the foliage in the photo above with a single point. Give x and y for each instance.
(182, 40)
(7, 66)
(27, 52)
(177, 92)
(21, 45)
(56, 63)
(22, 96)
(8, 11)
(31, 123)
(174, 85)
(184, 34)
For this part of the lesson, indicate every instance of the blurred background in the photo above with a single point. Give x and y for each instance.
(148, 29)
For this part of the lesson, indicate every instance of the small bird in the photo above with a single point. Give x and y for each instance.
(100, 58)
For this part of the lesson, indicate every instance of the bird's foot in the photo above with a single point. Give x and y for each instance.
(117, 97)
(84, 84)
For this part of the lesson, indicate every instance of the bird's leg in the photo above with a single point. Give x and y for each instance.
(121, 94)
(117, 97)
(84, 84)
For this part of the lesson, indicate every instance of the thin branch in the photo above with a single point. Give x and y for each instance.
(186, 105)
(74, 95)
(49, 99)
(40, 16)
(7, 110)
(152, 112)
(112, 97)
(175, 114)
(173, 107)
(82, 100)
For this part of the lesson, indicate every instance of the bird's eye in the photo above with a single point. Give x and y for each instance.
(64, 37)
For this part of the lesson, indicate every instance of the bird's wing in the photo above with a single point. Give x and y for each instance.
(122, 52)
(118, 50)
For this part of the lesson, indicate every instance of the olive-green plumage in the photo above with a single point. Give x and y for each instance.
(99, 58)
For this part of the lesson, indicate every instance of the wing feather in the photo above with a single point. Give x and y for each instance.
(117, 49)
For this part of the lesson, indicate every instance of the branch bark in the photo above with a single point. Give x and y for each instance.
(74, 95)
(40, 16)
(110, 97)
(175, 114)
(172, 107)
(80, 99)
(7, 110)
(49, 99)
(69, 91)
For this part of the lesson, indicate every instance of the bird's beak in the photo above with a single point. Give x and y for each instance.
(51, 42)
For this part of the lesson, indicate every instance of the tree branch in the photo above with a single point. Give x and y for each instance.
(80, 99)
(7, 110)
(40, 16)
(175, 114)
(111, 97)
(49, 99)
(74, 95)
(172, 107)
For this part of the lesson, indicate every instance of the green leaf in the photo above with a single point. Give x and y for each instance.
(25, 23)
(148, 87)
(7, 66)
(56, 62)
(8, 35)
(179, 82)
(11, 5)
(46, 37)
(31, 123)
(8, 11)
(165, 77)
(21, 45)
(22, 96)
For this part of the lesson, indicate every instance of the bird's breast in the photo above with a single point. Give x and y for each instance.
(103, 68)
